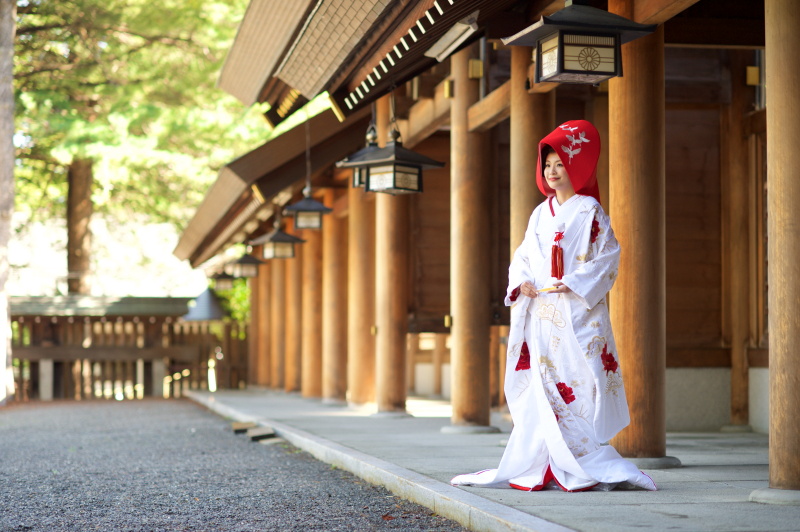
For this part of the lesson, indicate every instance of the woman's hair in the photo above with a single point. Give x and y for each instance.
(546, 150)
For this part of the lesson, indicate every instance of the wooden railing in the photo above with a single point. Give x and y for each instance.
(124, 357)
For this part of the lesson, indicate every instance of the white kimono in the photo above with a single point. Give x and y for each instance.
(565, 412)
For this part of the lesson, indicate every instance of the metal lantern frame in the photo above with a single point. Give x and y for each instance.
(245, 267)
(223, 281)
(307, 213)
(579, 44)
(277, 244)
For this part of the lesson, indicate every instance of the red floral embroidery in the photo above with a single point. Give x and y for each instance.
(595, 230)
(514, 294)
(609, 362)
(524, 358)
(566, 392)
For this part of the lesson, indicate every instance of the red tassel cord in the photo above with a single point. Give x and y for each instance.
(557, 257)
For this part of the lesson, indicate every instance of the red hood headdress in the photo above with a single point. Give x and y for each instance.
(577, 142)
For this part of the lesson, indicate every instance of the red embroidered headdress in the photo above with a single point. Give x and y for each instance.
(577, 142)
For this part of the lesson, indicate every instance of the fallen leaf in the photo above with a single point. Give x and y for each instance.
(387, 517)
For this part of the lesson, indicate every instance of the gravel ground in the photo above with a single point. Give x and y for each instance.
(170, 465)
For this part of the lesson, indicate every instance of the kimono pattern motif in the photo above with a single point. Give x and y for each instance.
(563, 383)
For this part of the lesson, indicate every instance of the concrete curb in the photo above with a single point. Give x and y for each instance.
(468, 509)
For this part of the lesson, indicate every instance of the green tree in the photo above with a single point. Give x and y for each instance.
(116, 100)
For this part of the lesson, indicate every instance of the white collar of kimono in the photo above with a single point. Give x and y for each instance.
(563, 214)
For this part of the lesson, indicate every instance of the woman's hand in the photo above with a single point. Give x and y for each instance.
(561, 288)
(527, 289)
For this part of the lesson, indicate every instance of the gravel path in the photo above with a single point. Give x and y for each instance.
(170, 465)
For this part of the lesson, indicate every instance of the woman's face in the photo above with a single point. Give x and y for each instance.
(555, 173)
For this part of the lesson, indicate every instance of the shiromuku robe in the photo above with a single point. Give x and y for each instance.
(563, 383)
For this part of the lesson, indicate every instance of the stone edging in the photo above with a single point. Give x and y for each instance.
(468, 509)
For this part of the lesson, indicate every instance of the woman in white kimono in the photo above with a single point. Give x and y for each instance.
(563, 383)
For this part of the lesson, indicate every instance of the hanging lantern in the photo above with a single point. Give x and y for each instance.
(245, 266)
(277, 244)
(223, 281)
(579, 44)
(307, 212)
(393, 169)
(360, 172)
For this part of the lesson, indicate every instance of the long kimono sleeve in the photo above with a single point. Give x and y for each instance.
(520, 269)
(594, 278)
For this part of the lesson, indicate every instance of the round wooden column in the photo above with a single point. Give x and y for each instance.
(311, 379)
(783, 128)
(278, 323)
(533, 117)
(360, 297)
(391, 287)
(469, 258)
(264, 323)
(252, 332)
(294, 313)
(334, 305)
(636, 183)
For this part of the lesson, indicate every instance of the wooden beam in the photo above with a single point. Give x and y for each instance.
(699, 358)
(426, 116)
(758, 358)
(714, 33)
(490, 111)
(658, 11)
(182, 353)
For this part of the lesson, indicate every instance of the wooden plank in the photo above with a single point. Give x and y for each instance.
(658, 11)
(426, 116)
(491, 110)
(182, 353)
(699, 358)
(714, 33)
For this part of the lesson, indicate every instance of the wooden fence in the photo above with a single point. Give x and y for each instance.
(124, 357)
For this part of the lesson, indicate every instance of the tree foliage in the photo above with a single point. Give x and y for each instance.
(129, 84)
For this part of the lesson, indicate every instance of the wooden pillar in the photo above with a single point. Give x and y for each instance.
(439, 348)
(391, 287)
(360, 296)
(783, 128)
(638, 316)
(738, 196)
(470, 264)
(311, 378)
(412, 348)
(533, 117)
(294, 313)
(252, 333)
(277, 323)
(334, 306)
(494, 365)
(600, 121)
(264, 323)
(503, 359)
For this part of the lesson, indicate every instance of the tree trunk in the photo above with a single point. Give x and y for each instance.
(79, 238)
(8, 26)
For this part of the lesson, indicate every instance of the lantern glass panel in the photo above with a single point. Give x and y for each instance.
(407, 178)
(308, 220)
(224, 284)
(359, 177)
(549, 57)
(381, 178)
(228, 268)
(246, 270)
(589, 53)
(278, 250)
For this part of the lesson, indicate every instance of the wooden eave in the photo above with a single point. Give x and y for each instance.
(265, 34)
(231, 202)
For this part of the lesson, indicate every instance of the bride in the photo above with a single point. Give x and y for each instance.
(563, 383)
